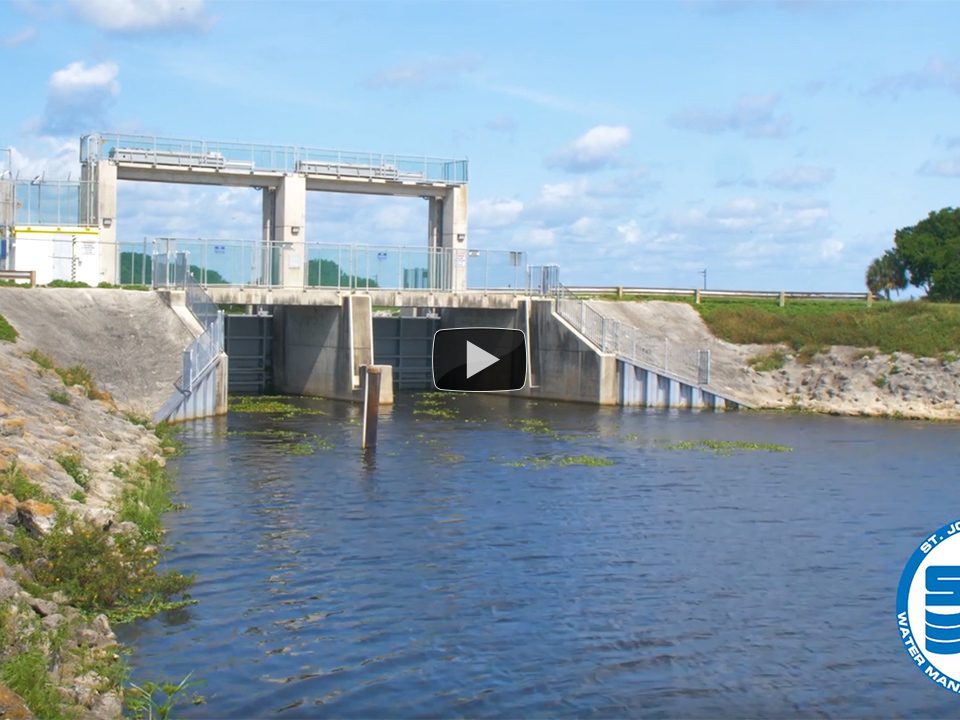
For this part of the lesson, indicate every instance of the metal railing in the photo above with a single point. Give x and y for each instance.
(781, 295)
(337, 266)
(203, 351)
(54, 202)
(248, 157)
(632, 344)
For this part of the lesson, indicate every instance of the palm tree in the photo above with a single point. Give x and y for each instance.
(887, 273)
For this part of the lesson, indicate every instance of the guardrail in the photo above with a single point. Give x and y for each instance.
(632, 344)
(249, 157)
(780, 295)
(30, 275)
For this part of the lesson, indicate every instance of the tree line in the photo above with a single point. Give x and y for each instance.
(925, 255)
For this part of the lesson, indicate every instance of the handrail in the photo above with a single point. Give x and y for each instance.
(631, 344)
(621, 290)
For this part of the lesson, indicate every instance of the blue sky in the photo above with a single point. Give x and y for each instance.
(778, 145)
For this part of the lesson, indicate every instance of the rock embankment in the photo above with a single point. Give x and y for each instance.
(47, 428)
(840, 380)
(130, 341)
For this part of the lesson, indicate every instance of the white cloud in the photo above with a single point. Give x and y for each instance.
(944, 167)
(53, 158)
(753, 116)
(800, 177)
(144, 15)
(494, 213)
(432, 72)
(598, 148)
(630, 232)
(78, 97)
(18, 38)
(936, 74)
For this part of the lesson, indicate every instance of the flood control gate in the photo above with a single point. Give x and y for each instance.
(249, 345)
(406, 344)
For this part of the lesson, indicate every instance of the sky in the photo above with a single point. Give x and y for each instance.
(778, 145)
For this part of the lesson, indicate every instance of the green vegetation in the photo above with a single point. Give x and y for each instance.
(926, 254)
(157, 700)
(26, 674)
(726, 447)
(100, 572)
(67, 284)
(110, 286)
(880, 381)
(40, 359)
(8, 333)
(75, 375)
(921, 328)
(326, 273)
(14, 481)
(269, 405)
(435, 404)
(59, 396)
(773, 360)
(73, 466)
(136, 272)
(145, 497)
(562, 461)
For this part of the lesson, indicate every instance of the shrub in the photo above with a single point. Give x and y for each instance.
(59, 396)
(73, 466)
(14, 481)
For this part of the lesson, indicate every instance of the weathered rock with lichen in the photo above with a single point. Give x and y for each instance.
(38, 518)
(12, 706)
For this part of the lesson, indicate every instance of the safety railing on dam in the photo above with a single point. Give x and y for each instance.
(339, 266)
(630, 343)
(204, 351)
(250, 157)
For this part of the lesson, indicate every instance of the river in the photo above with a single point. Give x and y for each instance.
(475, 566)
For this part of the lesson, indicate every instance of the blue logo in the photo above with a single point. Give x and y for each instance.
(928, 607)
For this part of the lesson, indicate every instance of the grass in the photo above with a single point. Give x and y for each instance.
(726, 447)
(921, 328)
(14, 481)
(8, 333)
(145, 497)
(26, 674)
(73, 466)
(40, 359)
(773, 360)
(75, 375)
(59, 396)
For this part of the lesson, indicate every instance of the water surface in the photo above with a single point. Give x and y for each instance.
(453, 574)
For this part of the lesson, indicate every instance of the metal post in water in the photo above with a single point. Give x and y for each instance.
(371, 407)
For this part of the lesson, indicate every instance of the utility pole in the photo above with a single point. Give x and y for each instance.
(704, 273)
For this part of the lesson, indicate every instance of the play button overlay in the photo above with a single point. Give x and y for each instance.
(479, 359)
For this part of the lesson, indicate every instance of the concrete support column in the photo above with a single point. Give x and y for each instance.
(268, 257)
(289, 228)
(106, 205)
(447, 231)
(455, 234)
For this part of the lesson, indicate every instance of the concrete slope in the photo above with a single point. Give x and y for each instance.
(684, 328)
(131, 341)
